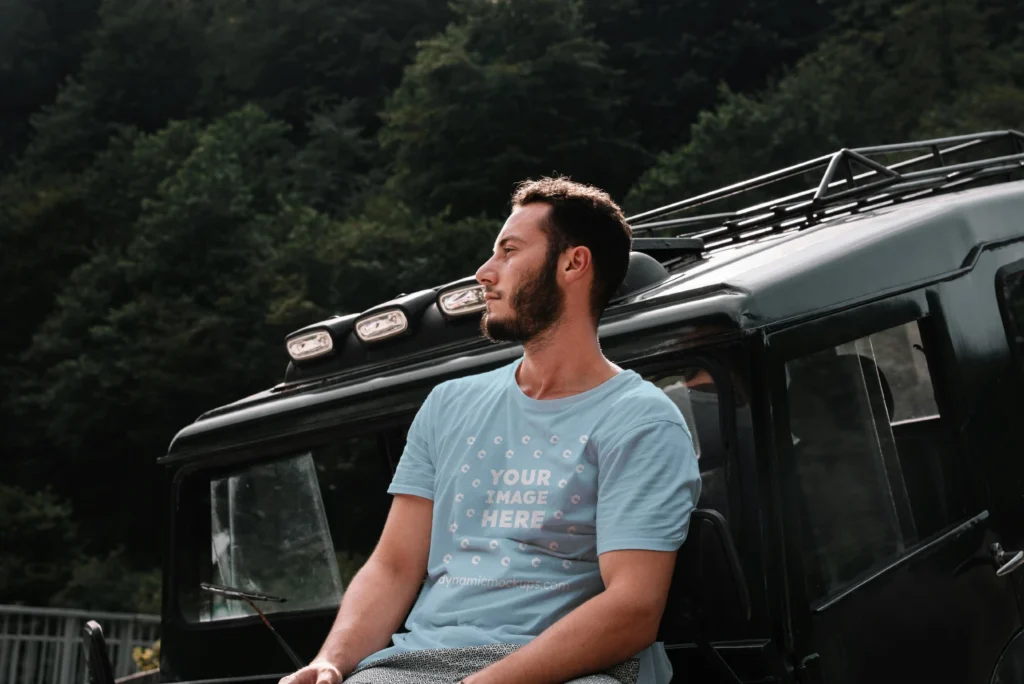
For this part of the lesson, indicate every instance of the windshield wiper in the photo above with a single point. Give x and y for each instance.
(233, 593)
(239, 595)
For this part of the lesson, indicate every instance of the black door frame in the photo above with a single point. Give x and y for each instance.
(829, 330)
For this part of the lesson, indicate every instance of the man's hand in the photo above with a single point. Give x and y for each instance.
(320, 671)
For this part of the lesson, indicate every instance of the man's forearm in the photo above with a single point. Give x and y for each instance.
(372, 609)
(602, 632)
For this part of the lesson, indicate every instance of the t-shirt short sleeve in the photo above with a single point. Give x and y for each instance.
(647, 486)
(417, 466)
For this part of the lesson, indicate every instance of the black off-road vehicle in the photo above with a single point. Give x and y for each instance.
(849, 357)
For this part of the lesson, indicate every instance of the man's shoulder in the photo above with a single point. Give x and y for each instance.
(647, 398)
(640, 402)
(472, 385)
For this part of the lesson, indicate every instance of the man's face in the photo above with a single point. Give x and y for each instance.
(523, 295)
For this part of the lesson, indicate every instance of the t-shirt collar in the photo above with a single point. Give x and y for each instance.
(609, 385)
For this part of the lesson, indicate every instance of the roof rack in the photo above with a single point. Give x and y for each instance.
(877, 185)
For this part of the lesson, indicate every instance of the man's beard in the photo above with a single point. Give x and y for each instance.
(536, 306)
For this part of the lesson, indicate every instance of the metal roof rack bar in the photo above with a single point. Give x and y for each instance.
(966, 166)
(905, 147)
(733, 189)
(679, 222)
(899, 165)
(845, 156)
(938, 155)
(898, 182)
(804, 213)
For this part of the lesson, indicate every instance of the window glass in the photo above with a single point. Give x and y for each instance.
(899, 354)
(297, 528)
(268, 534)
(693, 390)
(1011, 301)
(873, 455)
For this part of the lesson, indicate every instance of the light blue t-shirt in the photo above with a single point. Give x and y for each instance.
(528, 493)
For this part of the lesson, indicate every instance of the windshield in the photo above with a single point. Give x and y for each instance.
(269, 534)
(297, 527)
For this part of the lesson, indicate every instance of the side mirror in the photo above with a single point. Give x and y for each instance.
(97, 659)
(709, 591)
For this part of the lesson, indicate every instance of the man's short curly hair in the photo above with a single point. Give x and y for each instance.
(583, 216)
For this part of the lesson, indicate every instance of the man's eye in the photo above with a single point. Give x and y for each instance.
(508, 249)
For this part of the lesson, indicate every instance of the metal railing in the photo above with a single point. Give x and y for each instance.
(44, 645)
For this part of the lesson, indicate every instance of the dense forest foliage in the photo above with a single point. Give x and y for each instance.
(182, 182)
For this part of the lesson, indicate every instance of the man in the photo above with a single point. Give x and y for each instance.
(544, 501)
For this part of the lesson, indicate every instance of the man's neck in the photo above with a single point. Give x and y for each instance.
(564, 361)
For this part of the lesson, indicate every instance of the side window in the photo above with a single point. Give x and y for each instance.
(873, 455)
(694, 391)
(903, 371)
(298, 527)
(1010, 292)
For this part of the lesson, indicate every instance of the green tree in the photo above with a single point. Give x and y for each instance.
(913, 79)
(51, 225)
(223, 260)
(48, 228)
(142, 70)
(672, 56)
(41, 43)
(27, 70)
(45, 560)
(110, 583)
(985, 107)
(140, 327)
(335, 166)
(38, 536)
(386, 250)
(511, 89)
(298, 58)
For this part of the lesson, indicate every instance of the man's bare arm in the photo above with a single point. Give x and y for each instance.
(381, 593)
(613, 626)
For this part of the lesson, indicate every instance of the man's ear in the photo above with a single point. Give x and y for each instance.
(576, 263)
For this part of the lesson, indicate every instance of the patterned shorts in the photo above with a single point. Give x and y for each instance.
(449, 665)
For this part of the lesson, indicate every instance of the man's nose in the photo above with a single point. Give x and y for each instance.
(485, 274)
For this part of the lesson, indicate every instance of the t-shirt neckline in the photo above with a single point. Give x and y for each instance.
(562, 402)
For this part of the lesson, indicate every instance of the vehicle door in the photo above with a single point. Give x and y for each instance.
(887, 524)
(984, 311)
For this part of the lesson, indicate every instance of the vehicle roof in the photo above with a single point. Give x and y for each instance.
(835, 263)
(774, 279)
